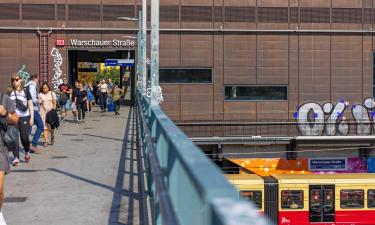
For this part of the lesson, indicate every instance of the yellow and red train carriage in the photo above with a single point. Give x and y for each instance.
(324, 199)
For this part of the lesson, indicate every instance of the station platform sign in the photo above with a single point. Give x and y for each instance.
(119, 62)
(327, 164)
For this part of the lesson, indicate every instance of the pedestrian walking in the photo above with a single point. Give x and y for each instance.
(103, 94)
(80, 99)
(95, 91)
(90, 96)
(116, 96)
(23, 103)
(32, 87)
(64, 91)
(74, 107)
(8, 116)
(47, 102)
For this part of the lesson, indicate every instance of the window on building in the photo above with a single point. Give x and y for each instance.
(196, 13)
(292, 199)
(371, 198)
(256, 93)
(91, 12)
(351, 199)
(184, 75)
(254, 196)
(9, 11)
(38, 11)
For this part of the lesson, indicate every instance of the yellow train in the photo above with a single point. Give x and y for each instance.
(326, 199)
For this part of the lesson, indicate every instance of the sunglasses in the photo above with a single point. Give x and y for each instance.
(16, 79)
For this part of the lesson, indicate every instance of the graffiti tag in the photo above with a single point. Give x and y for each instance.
(160, 97)
(328, 119)
(25, 76)
(57, 62)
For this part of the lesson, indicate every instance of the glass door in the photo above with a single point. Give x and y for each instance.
(322, 203)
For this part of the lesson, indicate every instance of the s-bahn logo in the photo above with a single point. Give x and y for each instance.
(60, 42)
(328, 119)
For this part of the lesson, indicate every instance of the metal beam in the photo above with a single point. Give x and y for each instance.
(190, 30)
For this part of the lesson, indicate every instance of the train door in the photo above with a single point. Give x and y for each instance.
(322, 203)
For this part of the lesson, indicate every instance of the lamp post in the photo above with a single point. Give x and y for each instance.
(144, 47)
(139, 67)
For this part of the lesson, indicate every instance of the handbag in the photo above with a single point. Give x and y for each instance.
(11, 137)
(11, 133)
(19, 104)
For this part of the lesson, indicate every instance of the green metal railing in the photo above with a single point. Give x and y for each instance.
(185, 186)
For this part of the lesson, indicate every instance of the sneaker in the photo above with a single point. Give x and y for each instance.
(34, 149)
(16, 162)
(27, 157)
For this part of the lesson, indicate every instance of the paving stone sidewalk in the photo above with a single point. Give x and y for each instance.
(79, 180)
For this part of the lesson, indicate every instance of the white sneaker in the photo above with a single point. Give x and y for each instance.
(2, 220)
(15, 162)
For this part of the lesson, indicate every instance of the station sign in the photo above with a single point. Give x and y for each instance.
(114, 43)
(328, 164)
(119, 62)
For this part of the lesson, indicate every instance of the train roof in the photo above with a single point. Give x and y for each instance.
(244, 179)
(341, 178)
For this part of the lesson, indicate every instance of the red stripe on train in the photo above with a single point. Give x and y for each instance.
(352, 217)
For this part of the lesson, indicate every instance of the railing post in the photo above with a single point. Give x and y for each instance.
(154, 52)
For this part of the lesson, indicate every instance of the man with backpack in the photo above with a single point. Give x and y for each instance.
(32, 87)
(65, 90)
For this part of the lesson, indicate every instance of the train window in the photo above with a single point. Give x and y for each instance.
(254, 196)
(371, 198)
(351, 199)
(291, 199)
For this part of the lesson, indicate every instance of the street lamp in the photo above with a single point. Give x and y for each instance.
(142, 50)
(140, 46)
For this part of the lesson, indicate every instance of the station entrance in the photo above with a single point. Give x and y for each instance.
(89, 66)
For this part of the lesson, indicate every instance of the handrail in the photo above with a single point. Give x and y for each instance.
(198, 190)
(166, 207)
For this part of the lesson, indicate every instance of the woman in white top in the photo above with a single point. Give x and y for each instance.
(47, 101)
(103, 94)
(23, 102)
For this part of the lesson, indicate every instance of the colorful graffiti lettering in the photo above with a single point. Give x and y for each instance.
(25, 76)
(57, 62)
(328, 119)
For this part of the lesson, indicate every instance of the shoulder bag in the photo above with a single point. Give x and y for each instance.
(11, 134)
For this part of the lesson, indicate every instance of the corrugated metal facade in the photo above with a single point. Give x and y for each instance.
(315, 66)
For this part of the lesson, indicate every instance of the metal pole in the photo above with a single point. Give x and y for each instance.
(154, 52)
(144, 47)
(140, 62)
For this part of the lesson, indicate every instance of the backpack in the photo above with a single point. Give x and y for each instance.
(63, 99)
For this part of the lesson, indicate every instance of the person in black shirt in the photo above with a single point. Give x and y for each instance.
(80, 98)
(74, 91)
(64, 91)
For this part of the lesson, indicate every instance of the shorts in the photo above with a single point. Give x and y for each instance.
(74, 107)
(66, 106)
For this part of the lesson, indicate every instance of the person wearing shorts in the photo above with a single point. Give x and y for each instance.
(64, 91)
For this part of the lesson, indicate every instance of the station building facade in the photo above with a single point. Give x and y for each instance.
(219, 59)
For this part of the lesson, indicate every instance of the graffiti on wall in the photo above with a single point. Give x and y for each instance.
(57, 62)
(328, 119)
(25, 76)
(160, 97)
